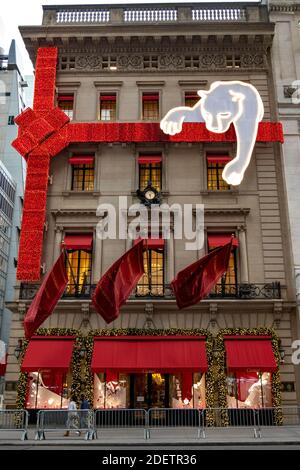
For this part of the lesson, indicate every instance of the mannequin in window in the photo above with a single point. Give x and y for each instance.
(257, 396)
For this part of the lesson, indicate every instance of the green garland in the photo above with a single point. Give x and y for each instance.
(210, 398)
(220, 368)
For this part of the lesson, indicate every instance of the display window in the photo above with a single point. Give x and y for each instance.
(249, 389)
(111, 390)
(187, 392)
(48, 389)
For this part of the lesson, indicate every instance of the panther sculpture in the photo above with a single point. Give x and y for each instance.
(225, 103)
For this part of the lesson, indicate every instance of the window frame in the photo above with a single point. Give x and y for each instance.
(158, 101)
(108, 93)
(85, 170)
(150, 285)
(67, 93)
(143, 167)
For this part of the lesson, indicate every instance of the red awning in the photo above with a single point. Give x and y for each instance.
(150, 159)
(150, 97)
(82, 160)
(108, 98)
(250, 352)
(78, 241)
(149, 353)
(46, 352)
(152, 242)
(65, 97)
(218, 158)
(220, 239)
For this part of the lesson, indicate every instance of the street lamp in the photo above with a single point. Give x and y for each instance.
(18, 349)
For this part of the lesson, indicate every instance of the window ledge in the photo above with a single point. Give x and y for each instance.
(81, 193)
(219, 192)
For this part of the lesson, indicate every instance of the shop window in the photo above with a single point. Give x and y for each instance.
(227, 285)
(66, 103)
(215, 167)
(111, 390)
(191, 98)
(152, 281)
(79, 265)
(150, 107)
(48, 389)
(187, 390)
(108, 106)
(83, 173)
(249, 389)
(150, 170)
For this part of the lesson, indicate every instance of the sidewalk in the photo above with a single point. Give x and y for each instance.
(159, 437)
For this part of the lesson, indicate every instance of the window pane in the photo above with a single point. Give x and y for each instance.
(214, 177)
(249, 389)
(152, 282)
(48, 389)
(151, 110)
(150, 172)
(79, 264)
(83, 177)
(107, 110)
(67, 107)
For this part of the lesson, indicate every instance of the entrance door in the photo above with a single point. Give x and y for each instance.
(150, 390)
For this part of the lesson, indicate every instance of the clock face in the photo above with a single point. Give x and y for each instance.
(150, 194)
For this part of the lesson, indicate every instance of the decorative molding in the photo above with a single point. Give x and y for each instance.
(227, 210)
(110, 84)
(66, 212)
(284, 7)
(193, 83)
(289, 90)
(150, 83)
(68, 84)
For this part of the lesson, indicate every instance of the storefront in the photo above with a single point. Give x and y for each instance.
(149, 372)
(47, 364)
(250, 362)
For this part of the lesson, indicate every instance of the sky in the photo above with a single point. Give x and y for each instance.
(29, 12)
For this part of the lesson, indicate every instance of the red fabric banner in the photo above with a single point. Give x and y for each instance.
(115, 286)
(194, 282)
(47, 297)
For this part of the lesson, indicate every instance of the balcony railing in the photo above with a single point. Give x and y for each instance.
(152, 14)
(270, 290)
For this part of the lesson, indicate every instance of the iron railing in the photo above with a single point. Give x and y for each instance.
(242, 291)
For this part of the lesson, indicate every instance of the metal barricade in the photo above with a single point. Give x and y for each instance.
(14, 420)
(175, 418)
(279, 419)
(121, 418)
(78, 421)
(231, 418)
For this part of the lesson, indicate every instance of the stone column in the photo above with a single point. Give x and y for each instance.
(57, 242)
(244, 274)
(97, 261)
(170, 258)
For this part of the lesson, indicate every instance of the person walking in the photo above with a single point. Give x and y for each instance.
(73, 418)
(84, 407)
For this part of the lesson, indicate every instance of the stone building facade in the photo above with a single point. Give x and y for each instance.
(131, 65)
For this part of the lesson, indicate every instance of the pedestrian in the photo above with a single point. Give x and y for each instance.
(73, 418)
(84, 407)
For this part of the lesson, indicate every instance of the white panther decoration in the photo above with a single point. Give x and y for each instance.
(224, 103)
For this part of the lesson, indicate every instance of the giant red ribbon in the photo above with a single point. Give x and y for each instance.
(45, 131)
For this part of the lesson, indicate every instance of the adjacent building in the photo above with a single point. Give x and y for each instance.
(120, 69)
(286, 62)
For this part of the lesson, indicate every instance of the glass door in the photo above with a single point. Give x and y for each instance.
(150, 390)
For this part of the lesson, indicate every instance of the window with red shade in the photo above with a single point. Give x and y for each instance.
(150, 170)
(150, 109)
(215, 166)
(191, 98)
(108, 106)
(66, 103)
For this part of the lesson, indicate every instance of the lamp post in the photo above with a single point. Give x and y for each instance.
(18, 349)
